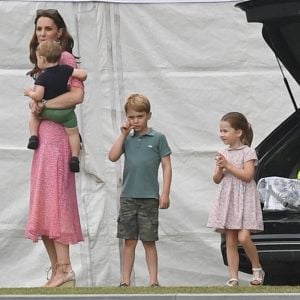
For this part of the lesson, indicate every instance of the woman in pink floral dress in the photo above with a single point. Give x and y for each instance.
(236, 210)
(53, 215)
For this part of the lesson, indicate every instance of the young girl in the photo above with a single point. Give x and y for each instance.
(236, 210)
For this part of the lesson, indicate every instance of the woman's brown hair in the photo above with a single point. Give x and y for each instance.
(66, 40)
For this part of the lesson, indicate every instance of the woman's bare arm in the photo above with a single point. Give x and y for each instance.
(67, 100)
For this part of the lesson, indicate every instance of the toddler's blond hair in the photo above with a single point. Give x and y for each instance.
(51, 50)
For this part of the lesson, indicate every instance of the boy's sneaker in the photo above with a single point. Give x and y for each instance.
(155, 285)
(33, 142)
(124, 285)
(74, 164)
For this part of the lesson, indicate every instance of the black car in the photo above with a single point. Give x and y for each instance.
(279, 154)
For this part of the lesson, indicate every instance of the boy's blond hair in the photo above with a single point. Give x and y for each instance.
(51, 50)
(137, 102)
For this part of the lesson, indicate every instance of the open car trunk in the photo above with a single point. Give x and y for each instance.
(278, 170)
(281, 27)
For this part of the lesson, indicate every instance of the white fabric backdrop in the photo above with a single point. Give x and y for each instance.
(195, 61)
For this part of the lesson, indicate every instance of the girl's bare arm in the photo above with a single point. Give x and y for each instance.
(245, 174)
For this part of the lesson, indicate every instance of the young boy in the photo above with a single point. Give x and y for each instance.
(52, 82)
(144, 150)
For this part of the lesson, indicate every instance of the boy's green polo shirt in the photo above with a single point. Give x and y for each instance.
(142, 159)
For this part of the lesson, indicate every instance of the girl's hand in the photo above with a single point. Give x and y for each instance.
(221, 161)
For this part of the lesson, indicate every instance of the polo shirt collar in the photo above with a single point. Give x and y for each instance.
(150, 132)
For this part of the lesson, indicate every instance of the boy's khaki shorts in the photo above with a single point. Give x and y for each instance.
(138, 219)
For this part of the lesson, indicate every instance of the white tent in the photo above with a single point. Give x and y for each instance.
(195, 61)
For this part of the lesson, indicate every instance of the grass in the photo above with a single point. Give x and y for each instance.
(148, 290)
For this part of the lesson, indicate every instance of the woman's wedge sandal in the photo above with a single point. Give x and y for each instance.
(233, 282)
(258, 276)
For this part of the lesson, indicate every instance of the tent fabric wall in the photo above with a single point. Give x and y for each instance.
(195, 61)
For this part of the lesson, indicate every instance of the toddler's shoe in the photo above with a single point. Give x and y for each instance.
(33, 142)
(74, 164)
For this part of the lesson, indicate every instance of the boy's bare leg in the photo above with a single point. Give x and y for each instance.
(128, 260)
(74, 140)
(152, 260)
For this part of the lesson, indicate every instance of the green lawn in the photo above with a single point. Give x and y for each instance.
(148, 290)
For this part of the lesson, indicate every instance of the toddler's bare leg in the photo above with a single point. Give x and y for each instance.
(34, 123)
(74, 140)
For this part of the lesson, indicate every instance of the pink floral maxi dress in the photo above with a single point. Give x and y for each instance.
(53, 201)
(237, 205)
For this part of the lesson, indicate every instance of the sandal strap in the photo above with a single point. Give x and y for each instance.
(51, 269)
(258, 276)
(232, 282)
(48, 270)
(257, 269)
(258, 273)
(63, 267)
